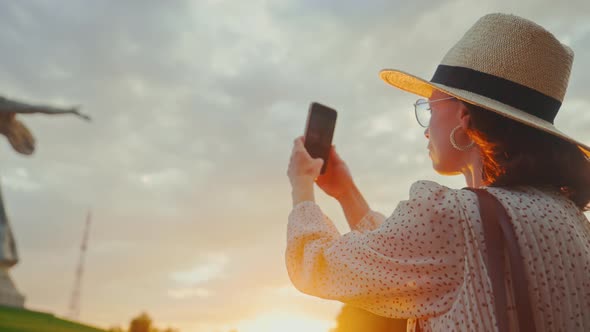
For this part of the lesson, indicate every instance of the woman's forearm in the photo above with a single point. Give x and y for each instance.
(302, 191)
(354, 206)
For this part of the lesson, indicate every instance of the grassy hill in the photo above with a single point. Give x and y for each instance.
(22, 320)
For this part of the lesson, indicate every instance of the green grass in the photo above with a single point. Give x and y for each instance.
(22, 320)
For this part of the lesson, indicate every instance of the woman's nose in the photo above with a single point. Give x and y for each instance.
(426, 133)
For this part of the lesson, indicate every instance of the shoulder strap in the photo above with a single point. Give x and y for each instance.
(495, 254)
(498, 231)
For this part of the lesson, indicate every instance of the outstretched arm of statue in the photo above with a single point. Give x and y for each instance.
(7, 105)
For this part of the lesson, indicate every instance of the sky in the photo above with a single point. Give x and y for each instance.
(195, 105)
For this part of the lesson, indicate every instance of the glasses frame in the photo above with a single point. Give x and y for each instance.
(422, 101)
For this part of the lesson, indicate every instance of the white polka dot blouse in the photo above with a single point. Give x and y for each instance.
(426, 261)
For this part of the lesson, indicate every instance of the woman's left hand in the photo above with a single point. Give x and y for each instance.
(302, 172)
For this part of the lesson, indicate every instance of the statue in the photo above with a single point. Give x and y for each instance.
(23, 142)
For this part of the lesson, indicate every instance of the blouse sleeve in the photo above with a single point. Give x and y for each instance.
(370, 221)
(410, 266)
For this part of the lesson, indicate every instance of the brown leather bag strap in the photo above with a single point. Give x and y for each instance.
(498, 231)
(495, 255)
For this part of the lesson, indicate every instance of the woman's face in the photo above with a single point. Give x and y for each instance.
(446, 115)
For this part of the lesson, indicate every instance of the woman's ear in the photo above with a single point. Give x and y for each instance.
(464, 116)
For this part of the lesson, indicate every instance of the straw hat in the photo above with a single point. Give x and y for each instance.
(506, 64)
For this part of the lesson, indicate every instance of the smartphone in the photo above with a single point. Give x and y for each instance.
(319, 131)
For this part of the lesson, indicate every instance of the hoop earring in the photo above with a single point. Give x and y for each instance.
(457, 146)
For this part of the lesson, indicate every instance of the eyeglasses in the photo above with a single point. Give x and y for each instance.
(423, 111)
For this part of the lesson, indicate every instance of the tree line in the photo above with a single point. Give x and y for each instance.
(350, 319)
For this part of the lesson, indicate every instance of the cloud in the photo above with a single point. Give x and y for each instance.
(19, 179)
(170, 177)
(183, 293)
(212, 268)
(195, 105)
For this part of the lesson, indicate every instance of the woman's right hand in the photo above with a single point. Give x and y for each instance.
(337, 180)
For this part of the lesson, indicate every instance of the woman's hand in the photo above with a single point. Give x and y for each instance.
(338, 183)
(302, 172)
(337, 180)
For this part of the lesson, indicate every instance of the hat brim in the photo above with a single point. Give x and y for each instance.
(424, 88)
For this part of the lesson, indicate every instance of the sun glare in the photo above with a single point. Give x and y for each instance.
(284, 322)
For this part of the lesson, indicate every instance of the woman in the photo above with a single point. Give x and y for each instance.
(489, 115)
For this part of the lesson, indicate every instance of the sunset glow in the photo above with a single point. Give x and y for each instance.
(284, 322)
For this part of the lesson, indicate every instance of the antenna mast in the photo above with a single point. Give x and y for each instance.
(75, 299)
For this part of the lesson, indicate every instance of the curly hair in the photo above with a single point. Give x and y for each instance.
(515, 154)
